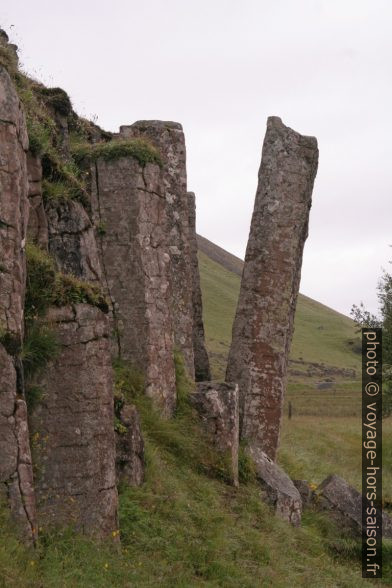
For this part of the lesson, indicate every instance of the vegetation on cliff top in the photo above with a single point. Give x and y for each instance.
(140, 149)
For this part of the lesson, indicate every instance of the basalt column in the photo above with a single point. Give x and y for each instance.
(263, 324)
(202, 364)
(130, 213)
(72, 426)
(169, 138)
(15, 460)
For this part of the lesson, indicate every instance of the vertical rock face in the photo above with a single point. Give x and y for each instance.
(217, 405)
(37, 229)
(202, 364)
(15, 459)
(130, 209)
(169, 138)
(16, 474)
(72, 426)
(263, 324)
(129, 447)
(13, 207)
(72, 241)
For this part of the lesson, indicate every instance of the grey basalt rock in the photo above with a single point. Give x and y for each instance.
(305, 491)
(279, 490)
(202, 363)
(71, 240)
(15, 459)
(72, 426)
(263, 324)
(217, 406)
(168, 137)
(130, 208)
(345, 503)
(16, 473)
(130, 460)
(37, 230)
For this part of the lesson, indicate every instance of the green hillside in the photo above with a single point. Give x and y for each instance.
(325, 344)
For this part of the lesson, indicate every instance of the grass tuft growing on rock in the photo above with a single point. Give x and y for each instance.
(140, 149)
(45, 286)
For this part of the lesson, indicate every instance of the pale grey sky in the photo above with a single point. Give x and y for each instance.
(221, 67)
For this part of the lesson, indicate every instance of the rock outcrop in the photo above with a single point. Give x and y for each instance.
(279, 490)
(72, 241)
(15, 459)
(37, 230)
(202, 363)
(168, 137)
(263, 324)
(130, 461)
(73, 426)
(217, 406)
(345, 503)
(130, 210)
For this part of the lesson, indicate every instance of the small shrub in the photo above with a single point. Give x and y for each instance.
(140, 149)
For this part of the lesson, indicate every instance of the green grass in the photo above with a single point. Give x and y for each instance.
(140, 149)
(45, 286)
(321, 335)
(186, 527)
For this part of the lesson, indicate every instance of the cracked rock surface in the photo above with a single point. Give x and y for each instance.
(169, 138)
(263, 325)
(217, 406)
(72, 241)
(15, 459)
(129, 206)
(72, 427)
(279, 490)
(130, 462)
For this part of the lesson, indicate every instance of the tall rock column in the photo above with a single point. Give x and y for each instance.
(130, 211)
(168, 137)
(202, 363)
(15, 460)
(72, 426)
(263, 325)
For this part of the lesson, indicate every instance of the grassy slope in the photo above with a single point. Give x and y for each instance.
(321, 334)
(185, 526)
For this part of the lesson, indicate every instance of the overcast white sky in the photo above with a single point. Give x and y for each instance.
(221, 67)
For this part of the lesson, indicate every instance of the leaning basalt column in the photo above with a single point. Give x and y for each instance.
(202, 363)
(72, 426)
(15, 459)
(263, 324)
(130, 210)
(168, 137)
